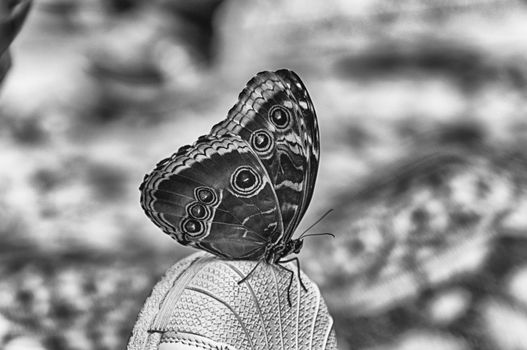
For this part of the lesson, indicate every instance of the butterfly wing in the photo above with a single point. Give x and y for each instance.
(275, 115)
(214, 195)
(311, 136)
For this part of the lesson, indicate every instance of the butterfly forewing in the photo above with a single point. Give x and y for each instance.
(275, 116)
(310, 132)
(217, 196)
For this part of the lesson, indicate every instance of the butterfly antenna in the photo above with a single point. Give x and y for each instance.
(317, 234)
(316, 222)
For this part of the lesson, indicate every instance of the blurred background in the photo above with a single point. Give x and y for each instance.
(422, 114)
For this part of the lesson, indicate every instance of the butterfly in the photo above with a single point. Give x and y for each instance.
(240, 191)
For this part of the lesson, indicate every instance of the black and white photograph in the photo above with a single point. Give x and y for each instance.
(263, 174)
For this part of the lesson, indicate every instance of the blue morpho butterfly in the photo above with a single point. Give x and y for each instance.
(241, 191)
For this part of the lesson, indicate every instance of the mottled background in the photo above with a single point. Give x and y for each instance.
(422, 113)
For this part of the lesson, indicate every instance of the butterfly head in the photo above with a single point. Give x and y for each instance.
(295, 245)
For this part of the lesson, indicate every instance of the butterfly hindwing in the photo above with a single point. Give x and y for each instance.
(215, 195)
(276, 117)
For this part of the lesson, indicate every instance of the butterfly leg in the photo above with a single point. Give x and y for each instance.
(297, 269)
(290, 282)
(250, 273)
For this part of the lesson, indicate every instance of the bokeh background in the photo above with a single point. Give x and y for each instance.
(422, 113)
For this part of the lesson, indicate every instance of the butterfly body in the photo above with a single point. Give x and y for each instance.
(240, 191)
(274, 253)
